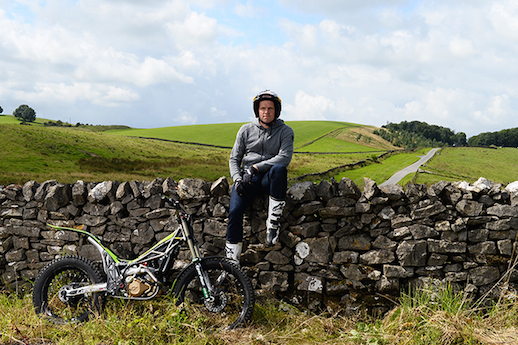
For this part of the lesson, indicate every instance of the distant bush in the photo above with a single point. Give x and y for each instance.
(57, 123)
(93, 128)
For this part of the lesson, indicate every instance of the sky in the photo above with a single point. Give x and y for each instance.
(161, 63)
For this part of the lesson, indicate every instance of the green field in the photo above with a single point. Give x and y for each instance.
(68, 155)
(13, 120)
(470, 163)
(217, 134)
(449, 164)
(224, 134)
(98, 153)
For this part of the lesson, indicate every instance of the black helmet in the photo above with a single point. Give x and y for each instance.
(267, 95)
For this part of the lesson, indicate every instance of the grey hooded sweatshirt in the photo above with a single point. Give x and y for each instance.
(261, 146)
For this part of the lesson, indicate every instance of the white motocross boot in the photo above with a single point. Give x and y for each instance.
(273, 223)
(233, 252)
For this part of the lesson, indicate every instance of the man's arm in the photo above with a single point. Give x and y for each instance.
(236, 156)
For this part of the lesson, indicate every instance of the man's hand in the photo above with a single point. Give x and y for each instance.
(249, 174)
(240, 188)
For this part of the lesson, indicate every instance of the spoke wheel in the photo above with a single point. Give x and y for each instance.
(49, 295)
(233, 298)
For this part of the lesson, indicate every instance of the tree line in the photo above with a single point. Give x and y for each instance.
(420, 134)
(505, 137)
(415, 134)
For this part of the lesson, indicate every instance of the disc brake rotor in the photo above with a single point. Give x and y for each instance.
(217, 302)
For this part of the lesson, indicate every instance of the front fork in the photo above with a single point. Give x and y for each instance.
(206, 285)
(207, 288)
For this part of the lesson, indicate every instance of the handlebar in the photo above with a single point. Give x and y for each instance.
(172, 202)
(177, 205)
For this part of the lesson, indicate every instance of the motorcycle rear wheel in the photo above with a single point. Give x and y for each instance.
(67, 271)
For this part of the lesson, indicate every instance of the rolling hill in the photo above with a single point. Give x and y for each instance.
(310, 136)
(38, 152)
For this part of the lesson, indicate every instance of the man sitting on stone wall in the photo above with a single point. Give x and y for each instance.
(258, 164)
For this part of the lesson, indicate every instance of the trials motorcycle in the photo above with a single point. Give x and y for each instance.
(69, 289)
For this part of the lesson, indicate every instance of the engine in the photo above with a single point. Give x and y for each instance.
(141, 282)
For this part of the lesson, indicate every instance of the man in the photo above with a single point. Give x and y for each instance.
(258, 164)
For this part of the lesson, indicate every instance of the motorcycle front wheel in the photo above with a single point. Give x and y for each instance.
(49, 297)
(233, 298)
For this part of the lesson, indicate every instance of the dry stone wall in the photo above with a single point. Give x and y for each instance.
(339, 246)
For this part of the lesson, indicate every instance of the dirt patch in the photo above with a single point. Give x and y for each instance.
(364, 136)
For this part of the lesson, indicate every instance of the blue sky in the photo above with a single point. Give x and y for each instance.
(161, 63)
(257, 23)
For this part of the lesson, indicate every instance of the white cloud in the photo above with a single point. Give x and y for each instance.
(307, 107)
(98, 94)
(451, 63)
(197, 29)
(504, 18)
(125, 68)
(340, 6)
(248, 10)
(184, 117)
(499, 107)
(434, 105)
(462, 48)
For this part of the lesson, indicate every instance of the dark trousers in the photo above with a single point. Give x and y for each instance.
(274, 182)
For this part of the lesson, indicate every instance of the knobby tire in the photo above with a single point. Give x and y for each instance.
(65, 271)
(235, 291)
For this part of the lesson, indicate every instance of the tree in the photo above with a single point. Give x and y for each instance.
(25, 113)
(460, 139)
(18, 111)
(1, 110)
(29, 115)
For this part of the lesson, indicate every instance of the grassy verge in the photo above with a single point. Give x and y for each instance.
(433, 315)
(438, 315)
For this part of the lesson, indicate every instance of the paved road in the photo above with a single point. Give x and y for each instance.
(409, 169)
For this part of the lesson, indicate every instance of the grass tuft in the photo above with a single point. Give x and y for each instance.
(440, 315)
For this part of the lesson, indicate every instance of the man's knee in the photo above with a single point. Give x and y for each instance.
(279, 171)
